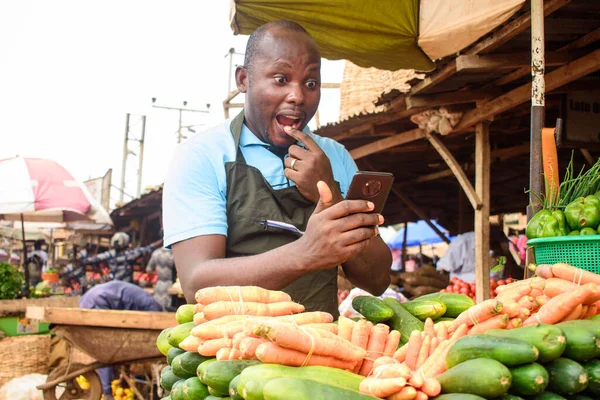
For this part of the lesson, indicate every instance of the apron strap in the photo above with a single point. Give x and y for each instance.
(236, 130)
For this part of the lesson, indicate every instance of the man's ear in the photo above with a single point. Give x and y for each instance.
(241, 78)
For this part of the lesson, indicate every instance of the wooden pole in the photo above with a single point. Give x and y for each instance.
(404, 246)
(24, 259)
(482, 215)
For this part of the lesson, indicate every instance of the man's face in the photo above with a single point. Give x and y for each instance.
(283, 88)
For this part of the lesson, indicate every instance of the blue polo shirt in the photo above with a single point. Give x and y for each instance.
(194, 193)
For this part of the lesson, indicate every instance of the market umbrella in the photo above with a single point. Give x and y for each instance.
(385, 34)
(41, 190)
(417, 234)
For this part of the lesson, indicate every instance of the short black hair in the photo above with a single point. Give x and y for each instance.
(256, 38)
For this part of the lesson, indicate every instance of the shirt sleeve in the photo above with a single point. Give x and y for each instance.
(193, 203)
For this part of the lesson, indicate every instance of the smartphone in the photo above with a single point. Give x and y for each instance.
(372, 186)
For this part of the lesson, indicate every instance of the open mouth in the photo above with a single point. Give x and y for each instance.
(289, 120)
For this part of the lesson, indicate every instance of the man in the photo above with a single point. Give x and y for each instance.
(265, 165)
(116, 295)
(163, 263)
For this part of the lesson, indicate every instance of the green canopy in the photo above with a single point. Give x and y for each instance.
(371, 33)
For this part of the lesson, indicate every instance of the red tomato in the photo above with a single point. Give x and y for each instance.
(509, 280)
(449, 288)
(443, 291)
(455, 289)
(464, 290)
(501, 282)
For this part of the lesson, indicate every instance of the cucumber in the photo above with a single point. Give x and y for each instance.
(185, 365)
(594, 318)
(211, 397)
(172, 353)
(177, 390)
(303, 389)
(455, 303)
(193, 389)
(372, 308)
(162, 342)
(402, 321)
(233, 393)
(178, 333)
(508, 396)
(582, 343)
(168, 378)
(217, 393)
(219, 374)
(509, 351)
(253, 379)
(593, 370)
(185, 313)
(444, 319)
(529, 379)
(580, 397)
(566, 376)
(424, 309)
(548, 396)
(457, 396)
(481, 376)
(201, 370)
(548, 339)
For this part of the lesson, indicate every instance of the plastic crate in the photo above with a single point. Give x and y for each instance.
(579, 251)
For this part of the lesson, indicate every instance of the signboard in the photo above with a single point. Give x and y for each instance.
(100, 189)
(582, 119)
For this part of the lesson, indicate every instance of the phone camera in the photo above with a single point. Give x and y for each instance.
(371, 188)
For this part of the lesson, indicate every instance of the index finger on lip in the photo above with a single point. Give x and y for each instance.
(303, 138)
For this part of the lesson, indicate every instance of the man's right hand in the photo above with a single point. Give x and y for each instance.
(337, 232)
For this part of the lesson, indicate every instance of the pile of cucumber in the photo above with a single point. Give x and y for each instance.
(548, 362)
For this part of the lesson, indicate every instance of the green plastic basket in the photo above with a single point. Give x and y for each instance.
(579, 251)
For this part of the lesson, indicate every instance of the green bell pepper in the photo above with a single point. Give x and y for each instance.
(546, 223)
(583, 212)
(588, 231)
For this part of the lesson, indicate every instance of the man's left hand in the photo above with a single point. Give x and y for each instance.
(305, 167)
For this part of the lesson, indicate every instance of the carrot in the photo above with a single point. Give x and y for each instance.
(248, 347)
(256, 294)
(535, 292)
(407, 393)
(511, 309)
(528, 281)
(514, 323)
(190, 343)
(199, 318)
(416, 380)
(584, 310)
(573, 314)
(377, 339)
(330, 327)
(392, 343)
(556, 286)
(361, 332)
(497, 322)
(593, 298)
(381, 387)
(442, 331)
(528, 302)
(514, 294)
(434, 359)
(431, 387)
(437, 365)
(524, 314)
(541, 300)
(229, 354)
(421, 396)
(383, 360)
(210, 347)
(477, 314)
(226, 319)
(434, 344)
(429, 328)
(575, 275)
(273, 353)
(424, 352)
(400, 354)
(222, 308)
(560, 306)
(310, 317)
(198, 308)
(591, 311)
(237, 338)
(414, 347)
(345, 326)
(543, 271)
(392, 371)
(309, 340)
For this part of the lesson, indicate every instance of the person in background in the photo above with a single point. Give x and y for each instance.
(116, 295)
(265, 165)
(163, 263)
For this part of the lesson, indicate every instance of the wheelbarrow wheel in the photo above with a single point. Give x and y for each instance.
(70, 388)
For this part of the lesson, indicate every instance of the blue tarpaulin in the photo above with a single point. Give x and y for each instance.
(418, 233)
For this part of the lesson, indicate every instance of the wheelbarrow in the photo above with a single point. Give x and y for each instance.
(111, 337)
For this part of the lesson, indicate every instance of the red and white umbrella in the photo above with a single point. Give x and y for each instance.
(40, 190)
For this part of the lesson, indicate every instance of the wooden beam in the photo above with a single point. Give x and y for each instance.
(438, 99)
(330, 85)
(555, 79)
(456, 169)
(106, 318)
(386, 143)
(435, 78)
(495, 62)
(583, 41)
(588, 157)
(482, 215)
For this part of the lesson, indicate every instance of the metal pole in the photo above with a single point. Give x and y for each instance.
(231, 51)
(404, 255)
(125, 153)
(139, 185)
(536, 183)
(179, 131)
(24, 258)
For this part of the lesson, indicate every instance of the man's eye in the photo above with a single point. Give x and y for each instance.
(280, 79)
(311, 84)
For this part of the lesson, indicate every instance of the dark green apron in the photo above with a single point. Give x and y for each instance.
(250, 199)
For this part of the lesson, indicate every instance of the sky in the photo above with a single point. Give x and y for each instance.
(70, 72)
